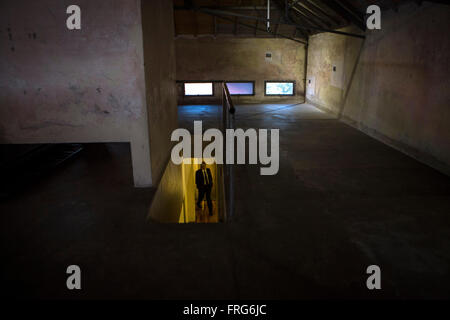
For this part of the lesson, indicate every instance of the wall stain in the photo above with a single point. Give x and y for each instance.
(117, 107)
(98, 110)
(95, 109)
(114, 102)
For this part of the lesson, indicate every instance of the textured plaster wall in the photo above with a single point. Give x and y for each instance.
(209, 58)
(189, 190)
(160, 69)
(90, 85)
(395, 84)
(168, 200)
(86, 85)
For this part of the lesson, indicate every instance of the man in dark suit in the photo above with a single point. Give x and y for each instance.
(203, 180)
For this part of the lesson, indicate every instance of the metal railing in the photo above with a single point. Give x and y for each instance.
(227, 172)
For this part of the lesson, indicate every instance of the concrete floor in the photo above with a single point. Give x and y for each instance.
(340, 202)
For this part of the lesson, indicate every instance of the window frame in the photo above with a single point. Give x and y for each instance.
(242, 81)
(279, 81)
(198, 95)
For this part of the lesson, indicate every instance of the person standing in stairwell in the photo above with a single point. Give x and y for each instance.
(203, 180)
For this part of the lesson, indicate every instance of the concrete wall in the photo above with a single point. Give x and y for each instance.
(168, 200)
(88, 85)
(394, 85)
(159, 56)
(209, 58)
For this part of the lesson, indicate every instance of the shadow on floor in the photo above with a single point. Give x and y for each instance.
(340, 202)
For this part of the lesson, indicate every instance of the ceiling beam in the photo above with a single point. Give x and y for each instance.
(215, 22)
(227, 13)
(352, 10)
(259, 29)
(293, 16)
(196, 23)
(439, 1)
(308, 18)
(277, 25)
(287, 17)
(257, 23)
(314, 6)
(304, 26)
(346, 11)
(319, 17)
(175, 27)
(235, 27)
(243, 8)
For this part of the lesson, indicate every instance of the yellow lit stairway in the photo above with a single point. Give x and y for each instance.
(202, 215)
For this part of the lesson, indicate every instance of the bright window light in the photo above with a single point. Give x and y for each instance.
(280, 88)
(241, 88)
(198, 89)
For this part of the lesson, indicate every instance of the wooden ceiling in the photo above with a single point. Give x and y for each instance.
(293, 19)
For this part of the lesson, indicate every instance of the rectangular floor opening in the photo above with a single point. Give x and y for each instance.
(190, 211)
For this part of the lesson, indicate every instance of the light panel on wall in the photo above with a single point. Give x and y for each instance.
(279, 88)
(198, 89)
(243, 88)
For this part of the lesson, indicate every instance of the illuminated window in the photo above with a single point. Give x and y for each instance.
(279, 88)
(198, 89)
(244, 88)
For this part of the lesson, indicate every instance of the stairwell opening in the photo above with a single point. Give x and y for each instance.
(176, 199)
(190, 212)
